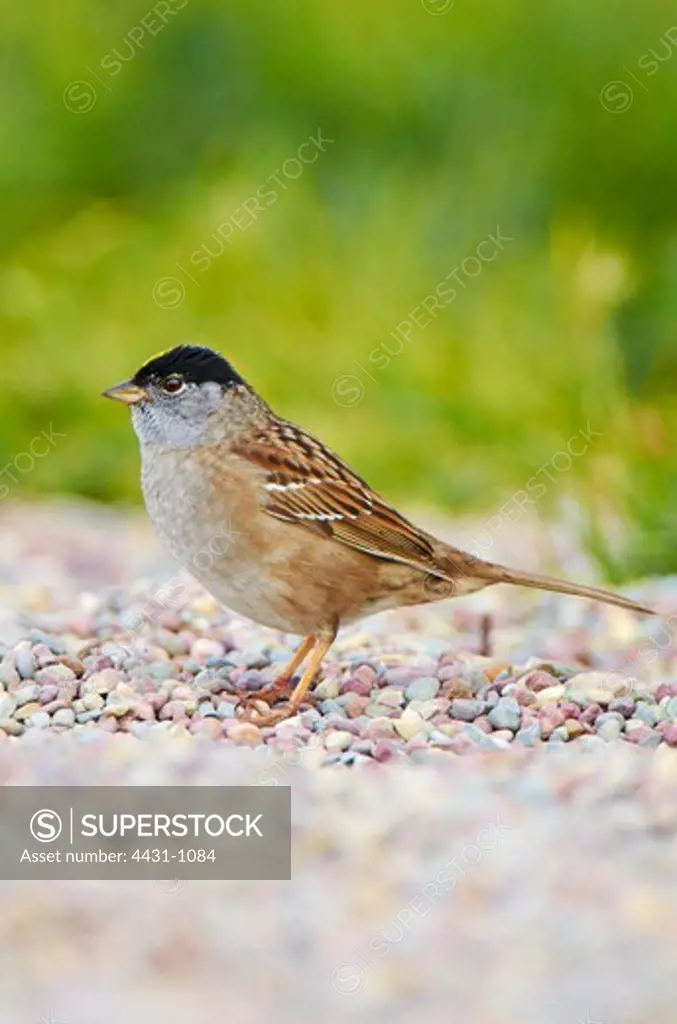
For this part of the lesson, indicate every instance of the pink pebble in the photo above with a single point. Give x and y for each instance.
(204, 648)
(484, 724)
(358, 686)
(173, 709)
(245, 734)
(538, 680)
(356, 706)
(462, 744)
(524, 697)
(384, 750)
(43, 655)
(207, 727)
(365, 675)
(157, 700)
(589, 714)
(550, 718)
(670, 735)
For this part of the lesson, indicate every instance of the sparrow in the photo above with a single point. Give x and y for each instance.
(310, 546)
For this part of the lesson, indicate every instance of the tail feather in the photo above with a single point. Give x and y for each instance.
(501, 574)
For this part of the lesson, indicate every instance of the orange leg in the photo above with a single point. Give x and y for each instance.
(280, 684)
(316, 659)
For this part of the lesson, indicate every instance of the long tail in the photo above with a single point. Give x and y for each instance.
(501, 574)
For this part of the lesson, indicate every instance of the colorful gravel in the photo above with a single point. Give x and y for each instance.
(484, 798)
(159, 653)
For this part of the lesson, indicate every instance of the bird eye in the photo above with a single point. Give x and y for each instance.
(173, 385)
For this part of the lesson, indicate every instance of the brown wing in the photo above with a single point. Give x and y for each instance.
(307, 484)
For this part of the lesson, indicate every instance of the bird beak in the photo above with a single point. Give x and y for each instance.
(127, 392)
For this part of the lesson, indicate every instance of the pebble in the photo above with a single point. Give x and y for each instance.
(24, 663)
(422, 689)
(529, 736)
(26, 694)
(8, 673)
(480, 738)
(65, 717)
(668, 709)
(207, 710)
(11, 726)
(550, 694)
(328, 689)
(53, 643)
(226, 709)
(39, 720)
(409, 724)
(625, 706)
(26, 710)
(670, 735)
(102, 682)
(210, 727)
(466, 710)
(646, 713)
(337, 740)
(203, 649)
(609, 725)
(559, 735)
(245, 734)
(549, 719)
(506, 715)
(538, 681)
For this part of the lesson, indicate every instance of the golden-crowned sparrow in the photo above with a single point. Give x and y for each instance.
(311, 546)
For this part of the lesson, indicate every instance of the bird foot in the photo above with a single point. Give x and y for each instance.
(248, 711)
(269, 694)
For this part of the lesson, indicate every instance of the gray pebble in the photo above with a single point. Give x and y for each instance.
(647, 713)
(624, 706)
(25, 664)
(668, 712)
(226, 709)
(64, 716)
(88, 716)
(506, 715)
(529, 737)
(40, 720)
(332, 707)
(331, 759)
(609, 725)
(439, 739)
(26, 694)
(559, 735)
(160, 669)
(650, 739)
(55, 645)
(480, 738)
(422, 689)
(466, 710)
(219, 663)
(207, 710)
(474, 676)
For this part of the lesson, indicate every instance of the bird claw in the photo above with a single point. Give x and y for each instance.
(248, 712)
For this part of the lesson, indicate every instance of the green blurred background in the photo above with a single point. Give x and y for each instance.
(131, 132)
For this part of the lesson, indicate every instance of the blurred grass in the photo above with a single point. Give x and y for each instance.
(444, 128)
